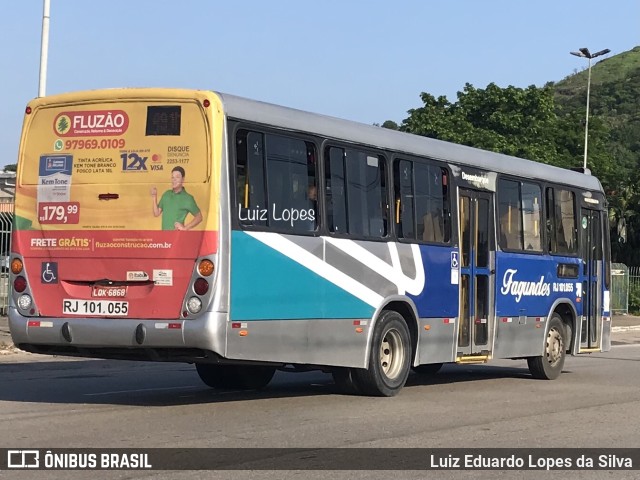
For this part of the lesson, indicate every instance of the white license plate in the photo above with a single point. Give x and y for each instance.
(108, 292)
(94, 307)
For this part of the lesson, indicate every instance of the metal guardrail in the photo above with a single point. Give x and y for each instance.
(634, 289)
(6, 219)
(619, 288)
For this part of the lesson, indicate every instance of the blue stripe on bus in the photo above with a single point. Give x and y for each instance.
(266, 285)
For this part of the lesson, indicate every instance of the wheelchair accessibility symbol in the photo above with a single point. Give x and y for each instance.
(454, 260)
(49, 272)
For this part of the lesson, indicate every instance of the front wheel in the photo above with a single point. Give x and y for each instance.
(548, 366)
(240, 377)
(389, 357)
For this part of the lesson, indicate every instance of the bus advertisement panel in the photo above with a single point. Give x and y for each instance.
(115, 200)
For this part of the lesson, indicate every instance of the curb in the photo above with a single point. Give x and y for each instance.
(632, 328)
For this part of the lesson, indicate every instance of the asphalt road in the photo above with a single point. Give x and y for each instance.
(47, 402)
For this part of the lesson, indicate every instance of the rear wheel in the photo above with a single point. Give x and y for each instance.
(548, 366)
(241, 377)
(389, 358)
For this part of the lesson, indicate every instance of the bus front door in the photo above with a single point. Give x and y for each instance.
(477, 257)
(591, 252)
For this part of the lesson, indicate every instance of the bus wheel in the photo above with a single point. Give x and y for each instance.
(428, 369)
(389, 358)
(345, 381)
(241, 377)
(548, 366)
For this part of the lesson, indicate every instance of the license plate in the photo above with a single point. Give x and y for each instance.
(108, 292)
(94, 307)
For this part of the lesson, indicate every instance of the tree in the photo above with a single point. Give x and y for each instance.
(528, 123)
(12, 167)
(390, 124)
(511, 120)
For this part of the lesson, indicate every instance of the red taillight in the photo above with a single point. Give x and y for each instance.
(201, 286)
(27, 110)
(20, 284)
(206, 103)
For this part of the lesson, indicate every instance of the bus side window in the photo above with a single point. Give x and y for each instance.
(433, 229)
(335, 191)
(404, 208)
(561, 221)
(355, 183)
(250, 193)
(423, 209)
(275, 175)
(550, 219)
(509, 214)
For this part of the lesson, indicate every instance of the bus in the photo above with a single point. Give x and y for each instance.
(245, 238)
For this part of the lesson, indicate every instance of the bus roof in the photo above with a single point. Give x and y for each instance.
(335, 128)
(339, 129)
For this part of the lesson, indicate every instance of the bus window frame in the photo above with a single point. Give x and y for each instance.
(235, 126)
(576, 205)
(543, 219)
(396, 158)
(369, 151)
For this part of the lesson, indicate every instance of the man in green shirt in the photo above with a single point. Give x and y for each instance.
(175, 204)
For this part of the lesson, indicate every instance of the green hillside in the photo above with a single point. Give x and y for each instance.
(547, 125)
(619, 69)
(614, 99)
(615, 111)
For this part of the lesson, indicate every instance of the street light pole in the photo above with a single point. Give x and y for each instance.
(44, 47)
(585, 53)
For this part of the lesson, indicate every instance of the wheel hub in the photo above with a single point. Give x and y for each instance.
(391, 353)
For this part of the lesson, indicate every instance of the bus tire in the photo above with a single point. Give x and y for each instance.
(240, 377)
(548, 366)
(428, 369)
(389, 357)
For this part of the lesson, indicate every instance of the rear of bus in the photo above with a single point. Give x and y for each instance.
(115, 235)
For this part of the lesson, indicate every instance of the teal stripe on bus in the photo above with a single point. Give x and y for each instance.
(267, 285)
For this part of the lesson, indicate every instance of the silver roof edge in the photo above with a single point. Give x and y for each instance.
(339, 129)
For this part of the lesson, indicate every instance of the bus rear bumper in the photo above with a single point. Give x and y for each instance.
(131, 339)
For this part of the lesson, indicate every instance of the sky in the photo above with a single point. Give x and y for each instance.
(363, 60)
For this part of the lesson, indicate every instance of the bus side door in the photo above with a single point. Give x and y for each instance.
(592, 273)
(477, 257)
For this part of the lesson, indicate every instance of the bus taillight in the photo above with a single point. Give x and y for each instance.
(205, 268)
(194, 305)
(16, 266)
(20, 284)
(201, 286)
(25, 302)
